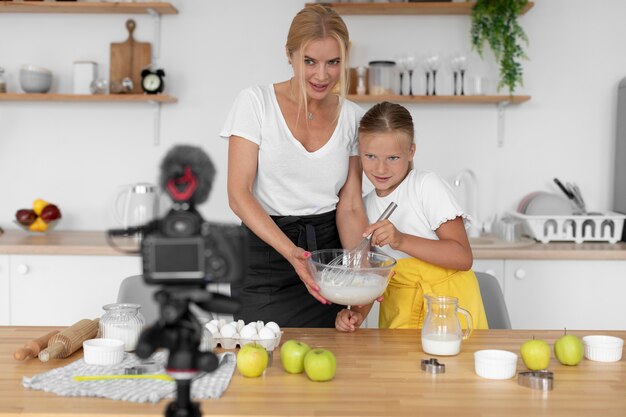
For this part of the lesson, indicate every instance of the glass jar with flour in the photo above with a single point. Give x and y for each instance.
(123, 322)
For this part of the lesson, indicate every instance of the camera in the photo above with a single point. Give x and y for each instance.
(184, 249)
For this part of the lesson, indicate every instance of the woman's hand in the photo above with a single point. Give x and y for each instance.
(348, 320)
(299, 259)
(384, 233)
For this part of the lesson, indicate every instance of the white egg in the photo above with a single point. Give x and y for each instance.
(259, 325)
(212, 328)
(273, 327)
(248, 332)
(240, 325)
(228, 330)
(266, 333)
(221, 323)
(215, 322)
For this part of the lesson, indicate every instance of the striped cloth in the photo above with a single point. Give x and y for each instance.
(60, 381)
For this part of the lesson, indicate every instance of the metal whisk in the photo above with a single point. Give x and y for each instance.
(339, 266)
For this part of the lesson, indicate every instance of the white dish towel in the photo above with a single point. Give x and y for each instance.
(60, 381)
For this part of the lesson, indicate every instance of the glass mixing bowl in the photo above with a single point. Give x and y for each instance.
(342, 283)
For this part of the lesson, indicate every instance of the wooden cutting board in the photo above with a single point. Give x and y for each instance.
(128, 59)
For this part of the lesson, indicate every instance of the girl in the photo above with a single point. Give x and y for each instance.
(426, 233)
(294, 177)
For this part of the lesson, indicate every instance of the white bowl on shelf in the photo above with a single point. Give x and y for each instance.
(603, 348)
(495, 364)
(35, 79)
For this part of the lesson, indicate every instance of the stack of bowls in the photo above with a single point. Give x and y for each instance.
(34, 79)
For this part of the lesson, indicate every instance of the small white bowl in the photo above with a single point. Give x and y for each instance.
(103, 351)
(34, 79)
(603, 348)
(495, 364)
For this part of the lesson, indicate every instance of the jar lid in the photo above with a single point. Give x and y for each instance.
(389, 63)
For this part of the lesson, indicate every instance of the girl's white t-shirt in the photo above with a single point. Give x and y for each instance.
(425, 201)
(291, 180)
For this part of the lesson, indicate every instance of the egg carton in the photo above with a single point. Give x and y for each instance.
(238, 342)
(600, 227)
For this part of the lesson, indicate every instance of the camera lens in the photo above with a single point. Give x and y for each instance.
(181, 224)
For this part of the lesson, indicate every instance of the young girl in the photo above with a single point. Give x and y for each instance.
(425, 234)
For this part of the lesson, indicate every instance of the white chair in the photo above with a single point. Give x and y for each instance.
(134, 290)
(493, 300)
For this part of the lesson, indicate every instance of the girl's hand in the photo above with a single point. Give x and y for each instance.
(348, 320)
(385, 233)
(299, 259)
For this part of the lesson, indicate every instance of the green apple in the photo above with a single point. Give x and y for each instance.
(320, 365)
(252, 360)
(569, 350)
(535, 354)
(292, 354)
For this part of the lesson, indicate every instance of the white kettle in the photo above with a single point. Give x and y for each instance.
(136, 204)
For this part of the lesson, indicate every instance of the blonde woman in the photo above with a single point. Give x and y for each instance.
(294, 177)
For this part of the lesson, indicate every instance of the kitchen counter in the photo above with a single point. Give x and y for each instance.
(94, 243)
(378, 373)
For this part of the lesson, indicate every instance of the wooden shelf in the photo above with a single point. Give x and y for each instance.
(119, 98)
(494, 99)
(419, 8)
(86, 7)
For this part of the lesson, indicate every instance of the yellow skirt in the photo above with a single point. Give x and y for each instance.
(404, 306)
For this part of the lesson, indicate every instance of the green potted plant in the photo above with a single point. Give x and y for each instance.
(496, 22)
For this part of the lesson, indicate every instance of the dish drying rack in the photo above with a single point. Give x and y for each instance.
(579, 228)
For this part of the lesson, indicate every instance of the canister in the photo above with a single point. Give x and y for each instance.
(381, 75)
(84, 74)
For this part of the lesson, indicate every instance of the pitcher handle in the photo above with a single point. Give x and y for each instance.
(117, 214)
(468, 320)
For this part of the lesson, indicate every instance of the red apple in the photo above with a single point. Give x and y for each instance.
(50, 213)
(25, 216)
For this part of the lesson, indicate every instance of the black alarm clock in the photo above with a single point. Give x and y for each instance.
(152, 81)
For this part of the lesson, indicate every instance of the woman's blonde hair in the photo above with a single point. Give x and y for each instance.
(318, 22)
(388, 117)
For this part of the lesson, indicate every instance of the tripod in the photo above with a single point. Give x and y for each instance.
(179, 331)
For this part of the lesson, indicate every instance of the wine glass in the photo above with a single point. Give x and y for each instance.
(433, 62)
(401, 71)
(410, 62)
(462, 65)
(454, 66)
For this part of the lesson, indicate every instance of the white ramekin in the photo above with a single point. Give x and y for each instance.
(103, 351)
(603, 348)
(495, 364)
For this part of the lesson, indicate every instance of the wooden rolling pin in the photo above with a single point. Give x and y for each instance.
(32, 348)
(63, 344)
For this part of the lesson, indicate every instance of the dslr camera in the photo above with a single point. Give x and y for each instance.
(184, 249)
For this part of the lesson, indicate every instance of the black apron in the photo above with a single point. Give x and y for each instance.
(272, 291)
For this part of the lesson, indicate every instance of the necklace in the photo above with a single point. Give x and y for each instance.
(309, 115)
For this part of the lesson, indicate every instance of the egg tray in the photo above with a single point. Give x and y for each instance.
(601, 227)
(209, 342)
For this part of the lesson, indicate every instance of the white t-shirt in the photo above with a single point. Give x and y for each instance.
(291, 180)
(425, 202)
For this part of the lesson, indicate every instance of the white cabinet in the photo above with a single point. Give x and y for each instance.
(493, 267)
(551, 294)
(59, 290)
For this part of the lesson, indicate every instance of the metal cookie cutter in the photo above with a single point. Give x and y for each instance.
(144, 368)
(542, 380)
(433, 366)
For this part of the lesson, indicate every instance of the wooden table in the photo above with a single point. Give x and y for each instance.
(378, 374)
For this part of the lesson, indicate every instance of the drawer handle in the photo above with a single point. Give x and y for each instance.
(22, 269)
(520, 274)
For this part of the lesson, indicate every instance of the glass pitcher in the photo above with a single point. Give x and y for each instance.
(442, 334)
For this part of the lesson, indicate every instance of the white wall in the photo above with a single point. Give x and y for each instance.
(78, 154)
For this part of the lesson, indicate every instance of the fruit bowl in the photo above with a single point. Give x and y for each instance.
(348, 285)
(51, 226)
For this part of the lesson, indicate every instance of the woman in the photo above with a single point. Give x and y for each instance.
(294, 177)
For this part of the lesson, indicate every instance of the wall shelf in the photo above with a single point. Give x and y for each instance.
(118, 98)
(417, 8)
(495, 99)
(87, 7)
